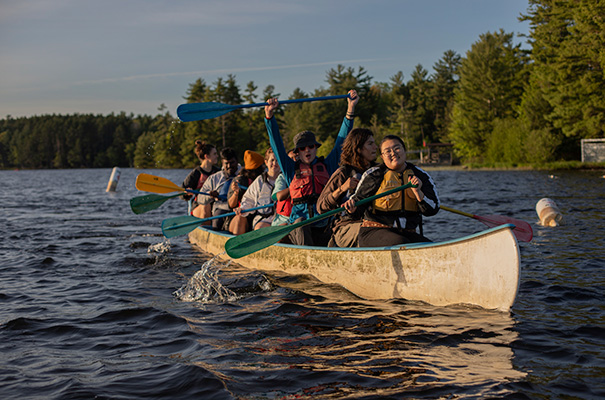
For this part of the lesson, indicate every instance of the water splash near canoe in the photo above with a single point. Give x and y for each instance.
(160, 248)
(204, 286)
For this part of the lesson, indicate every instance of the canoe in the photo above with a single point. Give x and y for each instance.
(481, 269)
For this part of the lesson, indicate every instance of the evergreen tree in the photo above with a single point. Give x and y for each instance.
(420, 116)
(444, 81)
(490, 87)
(564, 99)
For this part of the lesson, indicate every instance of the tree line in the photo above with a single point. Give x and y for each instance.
(500, 103)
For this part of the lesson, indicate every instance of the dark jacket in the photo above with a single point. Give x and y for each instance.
(369, 184)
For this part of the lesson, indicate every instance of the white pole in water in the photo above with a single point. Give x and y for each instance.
(113, 180)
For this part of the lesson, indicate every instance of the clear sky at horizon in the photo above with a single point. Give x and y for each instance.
(91, 56)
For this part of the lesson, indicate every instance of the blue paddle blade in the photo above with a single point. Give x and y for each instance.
(176, 226)
(200, 111)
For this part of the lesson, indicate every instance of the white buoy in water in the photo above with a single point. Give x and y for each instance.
(113, 180)
(548, 212)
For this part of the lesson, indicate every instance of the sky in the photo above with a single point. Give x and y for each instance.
(112, 56)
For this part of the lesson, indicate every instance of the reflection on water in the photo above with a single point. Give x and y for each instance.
(353, 346)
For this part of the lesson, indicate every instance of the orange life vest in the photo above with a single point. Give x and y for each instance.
(308, 182)
(397, 201)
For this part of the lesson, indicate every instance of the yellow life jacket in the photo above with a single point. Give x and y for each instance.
(393, 202)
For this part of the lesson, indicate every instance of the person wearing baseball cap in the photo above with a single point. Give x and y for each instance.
(308, 176)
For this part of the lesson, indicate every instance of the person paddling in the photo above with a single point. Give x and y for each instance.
(217, 185)
(393, 219)
(258, 193)
(208, 157)
(309, 174)
(358, 154)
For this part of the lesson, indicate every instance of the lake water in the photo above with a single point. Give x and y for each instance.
(88, 307)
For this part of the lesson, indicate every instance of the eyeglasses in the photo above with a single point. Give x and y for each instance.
(392, 150)
(309, 147)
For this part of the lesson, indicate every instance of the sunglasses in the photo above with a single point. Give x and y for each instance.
(309, 147)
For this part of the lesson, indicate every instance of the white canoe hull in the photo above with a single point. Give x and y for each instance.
(481, 269)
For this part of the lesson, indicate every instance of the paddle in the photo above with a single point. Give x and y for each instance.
(253, 241)
(522, 230)
(200, 111)
(176, 226)
(156, 184)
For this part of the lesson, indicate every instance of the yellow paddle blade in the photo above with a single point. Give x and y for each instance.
(156, 184)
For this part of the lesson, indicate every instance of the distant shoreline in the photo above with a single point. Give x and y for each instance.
(560, 165)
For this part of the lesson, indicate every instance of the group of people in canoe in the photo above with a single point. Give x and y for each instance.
(295, 184)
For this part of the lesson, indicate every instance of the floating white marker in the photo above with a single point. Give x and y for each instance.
(548, 212)
(113, 180)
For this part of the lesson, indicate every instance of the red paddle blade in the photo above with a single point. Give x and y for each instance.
(522, 231)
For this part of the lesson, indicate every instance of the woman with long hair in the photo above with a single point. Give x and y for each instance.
(208, 157)
(358, 154)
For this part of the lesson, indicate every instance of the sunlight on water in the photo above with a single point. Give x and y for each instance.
(204, 285)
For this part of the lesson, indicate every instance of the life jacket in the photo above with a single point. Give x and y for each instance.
(398, 201)
(224, 189)
(308, 182)
(203, 177)
(284, 207)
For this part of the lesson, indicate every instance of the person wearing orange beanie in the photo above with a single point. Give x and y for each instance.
(254, 165)
(253, 160)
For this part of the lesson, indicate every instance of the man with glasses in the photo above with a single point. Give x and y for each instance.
(393, 219)
(307, 176)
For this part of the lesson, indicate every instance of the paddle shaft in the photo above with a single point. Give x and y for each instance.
(253, 241)
(457, 211)
(341, 209)
(202, 220)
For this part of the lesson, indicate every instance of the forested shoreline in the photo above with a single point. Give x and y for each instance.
(499, 104)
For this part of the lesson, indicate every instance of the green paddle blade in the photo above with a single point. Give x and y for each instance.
(250, 242)
(148, 202)
(176, 226)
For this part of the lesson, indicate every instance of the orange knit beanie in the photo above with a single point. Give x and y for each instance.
(252, 160)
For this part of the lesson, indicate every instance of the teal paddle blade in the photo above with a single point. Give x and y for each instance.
(176, 226)
(148, 202)
(201, 111)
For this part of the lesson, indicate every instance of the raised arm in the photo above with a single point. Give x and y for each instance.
(277, 143)
(333, 159)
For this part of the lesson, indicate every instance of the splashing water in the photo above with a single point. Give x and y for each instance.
(161, 248)
(204, 285)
